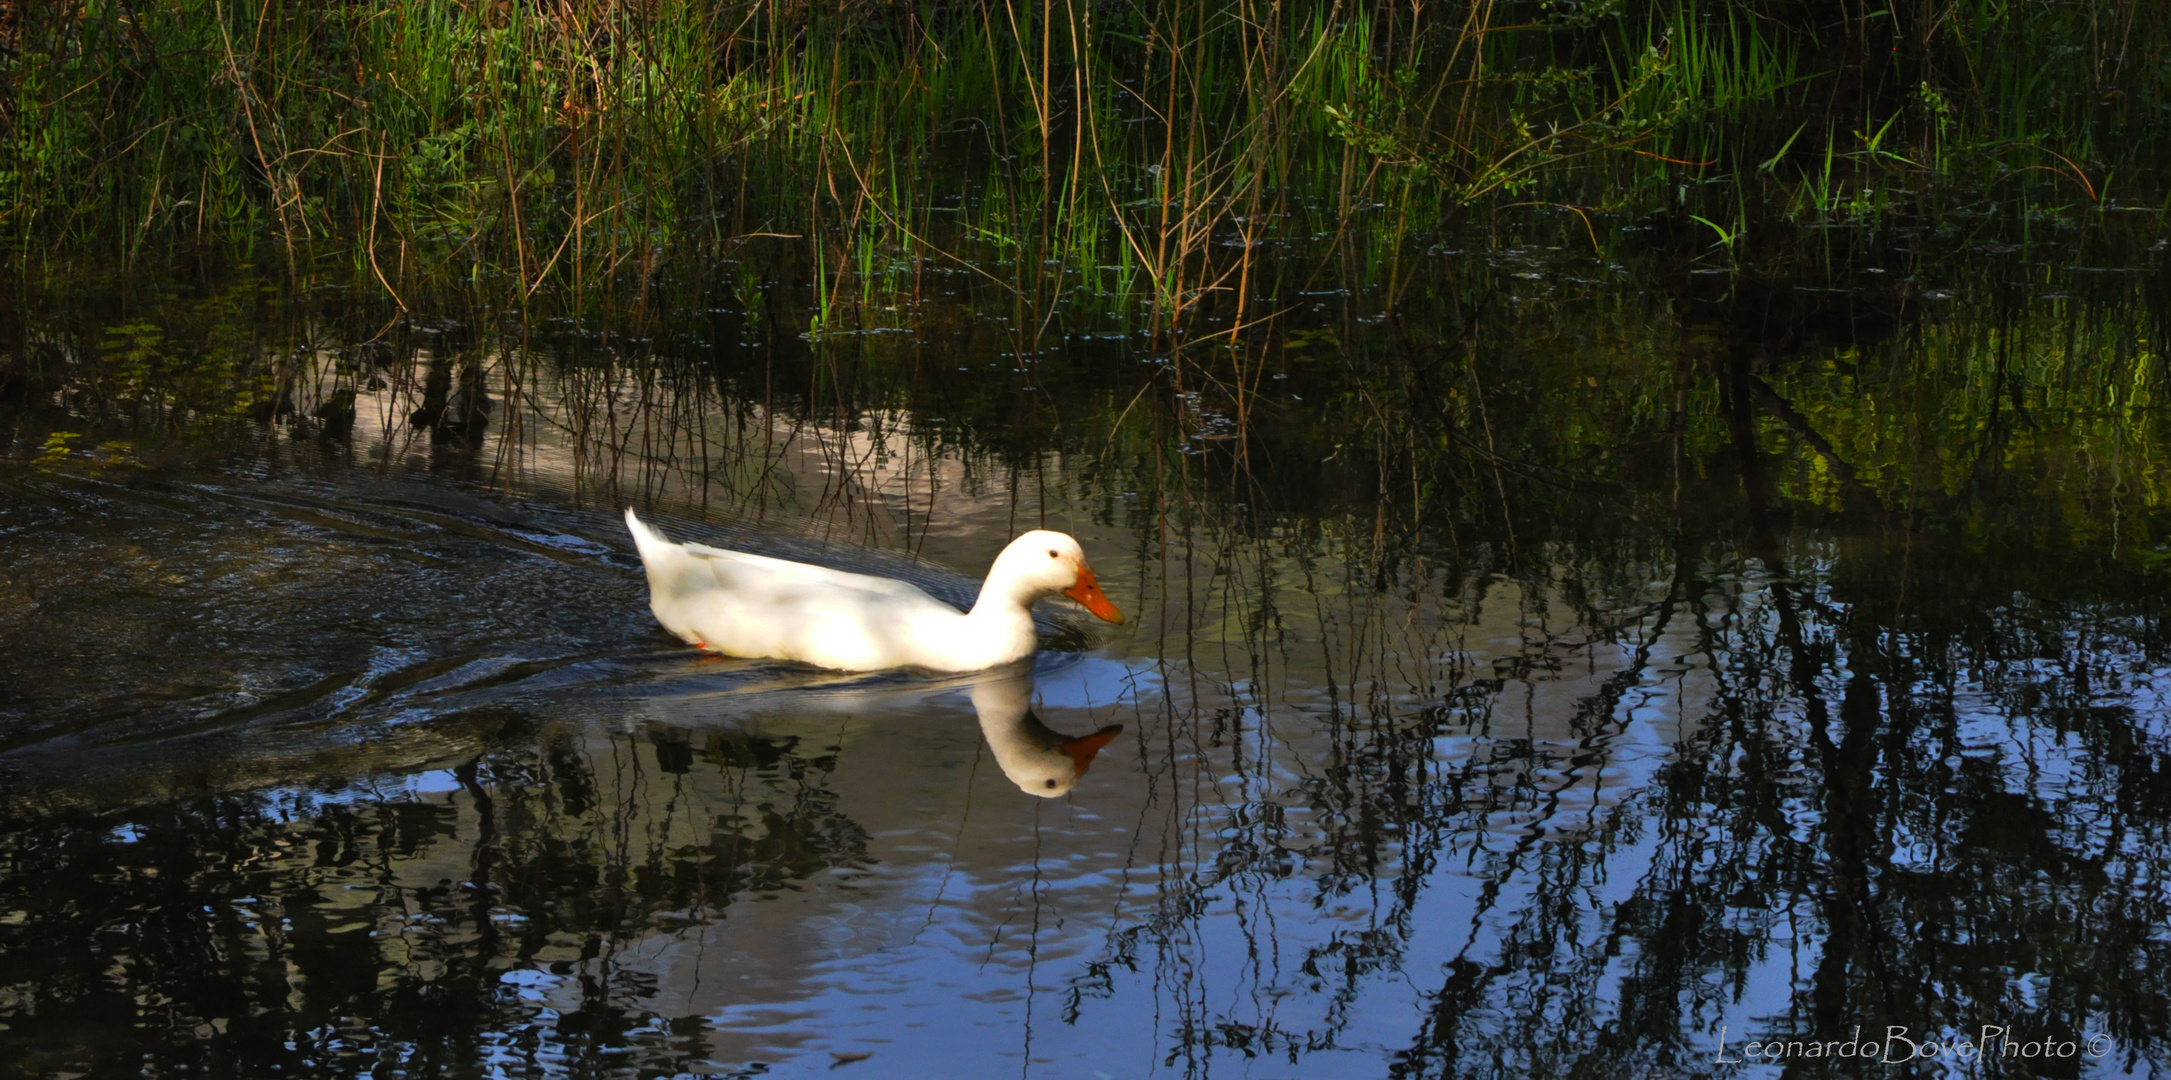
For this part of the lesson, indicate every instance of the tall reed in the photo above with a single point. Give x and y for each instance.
(1172, 166)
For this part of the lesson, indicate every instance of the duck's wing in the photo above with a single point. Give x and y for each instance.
(753, 605)
(739, 571)
(675, 570)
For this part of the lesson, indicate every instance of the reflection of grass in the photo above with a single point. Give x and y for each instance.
(1456, 408)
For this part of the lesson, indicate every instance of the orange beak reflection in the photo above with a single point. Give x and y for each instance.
(1088, 592)
(1082, 748)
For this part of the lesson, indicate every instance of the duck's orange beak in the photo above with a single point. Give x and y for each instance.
(1082, 748)
(1088, 592)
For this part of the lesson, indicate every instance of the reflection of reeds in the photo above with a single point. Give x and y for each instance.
(400, 912)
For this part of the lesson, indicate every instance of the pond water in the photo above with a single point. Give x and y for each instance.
(1574, 676)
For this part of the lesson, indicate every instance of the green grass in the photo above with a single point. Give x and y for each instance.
(1171, 167)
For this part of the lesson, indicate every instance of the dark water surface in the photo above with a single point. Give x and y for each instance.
(1590, 680)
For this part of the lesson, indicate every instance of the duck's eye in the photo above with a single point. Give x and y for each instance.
(1052, 554)
(1051, 783)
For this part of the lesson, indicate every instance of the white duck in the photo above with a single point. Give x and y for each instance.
(754, 606)
(1039, 759)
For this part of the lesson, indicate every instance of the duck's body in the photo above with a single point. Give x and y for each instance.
(754, 606)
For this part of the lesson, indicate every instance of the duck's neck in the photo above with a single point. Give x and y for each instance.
(1003, 618)
(1004, 600)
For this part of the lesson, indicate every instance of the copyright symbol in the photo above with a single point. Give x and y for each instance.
(2099, 1045)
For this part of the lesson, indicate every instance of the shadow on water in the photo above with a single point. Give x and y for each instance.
(1539, 679)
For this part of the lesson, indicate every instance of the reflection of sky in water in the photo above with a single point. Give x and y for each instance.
(990, 931)
(981, 928)
(1093, 681)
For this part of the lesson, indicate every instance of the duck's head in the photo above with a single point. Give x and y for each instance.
(1043, 563)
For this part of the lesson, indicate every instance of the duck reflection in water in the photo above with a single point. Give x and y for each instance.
(1039, 759)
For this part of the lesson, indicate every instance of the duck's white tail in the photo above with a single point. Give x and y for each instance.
(649, 541)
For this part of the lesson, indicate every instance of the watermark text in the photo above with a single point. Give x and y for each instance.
(1898, 1045)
